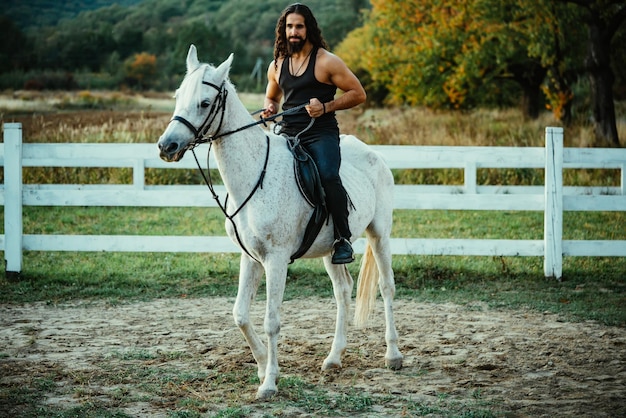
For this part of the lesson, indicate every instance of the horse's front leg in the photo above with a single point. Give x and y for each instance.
(342, 288)
(275, 276)
(250, 274)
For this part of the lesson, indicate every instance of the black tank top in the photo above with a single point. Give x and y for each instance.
(301, 89)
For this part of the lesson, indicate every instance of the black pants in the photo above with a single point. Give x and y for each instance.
(323, 146)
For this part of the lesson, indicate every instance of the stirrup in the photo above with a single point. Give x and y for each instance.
(342, 252)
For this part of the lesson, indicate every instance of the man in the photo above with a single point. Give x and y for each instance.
(304, 71)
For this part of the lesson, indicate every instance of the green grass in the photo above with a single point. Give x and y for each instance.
(592, 287)
(406, 223)
(179, 392)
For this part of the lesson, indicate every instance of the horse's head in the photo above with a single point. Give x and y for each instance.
(200, 105)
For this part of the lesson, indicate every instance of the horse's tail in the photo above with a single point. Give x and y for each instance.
(366, 288)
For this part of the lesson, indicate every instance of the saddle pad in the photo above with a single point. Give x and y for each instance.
(310, 186)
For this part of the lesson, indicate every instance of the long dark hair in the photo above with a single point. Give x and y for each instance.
(313, 32)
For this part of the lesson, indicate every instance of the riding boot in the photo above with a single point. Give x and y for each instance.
(342, 251)
(338, 208)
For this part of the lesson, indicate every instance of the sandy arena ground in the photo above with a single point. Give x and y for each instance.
(527, 363)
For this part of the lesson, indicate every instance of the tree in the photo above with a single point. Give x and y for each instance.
(208, 39)
(86, 39)
(351, 51)
(463, 53)
(550, 36)
(400, 54)
(13, 46)
(602, 19)
(449, 54)
(140, 69)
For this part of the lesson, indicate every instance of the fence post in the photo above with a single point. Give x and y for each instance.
(553, 211)
(623, 180)
(13, 198)
(139, 174)
(470, 178)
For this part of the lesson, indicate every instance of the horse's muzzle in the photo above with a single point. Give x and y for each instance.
(170, 151)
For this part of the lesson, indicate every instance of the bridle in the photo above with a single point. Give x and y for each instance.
(219, 105)
(218, 109)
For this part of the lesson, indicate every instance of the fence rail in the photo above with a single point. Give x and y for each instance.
(552, 198)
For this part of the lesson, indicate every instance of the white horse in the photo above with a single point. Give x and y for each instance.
(271, 214)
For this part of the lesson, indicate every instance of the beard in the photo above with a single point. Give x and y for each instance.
(295, 47)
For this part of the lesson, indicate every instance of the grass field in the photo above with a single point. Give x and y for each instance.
(593, 288)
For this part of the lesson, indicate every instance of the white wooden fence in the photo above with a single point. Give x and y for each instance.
(552, 198)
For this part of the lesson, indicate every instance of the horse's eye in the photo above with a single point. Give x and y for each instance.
(205, 103)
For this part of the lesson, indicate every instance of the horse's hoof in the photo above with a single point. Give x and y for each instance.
(331, 365)
(265, 394)
(394, 363)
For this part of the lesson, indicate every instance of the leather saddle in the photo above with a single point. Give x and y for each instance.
(310, 186)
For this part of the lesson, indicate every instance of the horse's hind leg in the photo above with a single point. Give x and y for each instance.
(250, 274)
(382, 253)
(342, 288)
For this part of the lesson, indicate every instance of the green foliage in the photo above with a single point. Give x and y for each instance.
(464, 54)
(12, 41)
(37, 13)
(140, 69)
(99, 36)
(46, 80)
(443, 55)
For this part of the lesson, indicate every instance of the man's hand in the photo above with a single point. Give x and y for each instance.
(270, 110)
(315, 108)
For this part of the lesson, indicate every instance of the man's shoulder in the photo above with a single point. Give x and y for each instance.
(275, 65)
(277, 62)
(322, 53)
(329, 60)
(327, 56)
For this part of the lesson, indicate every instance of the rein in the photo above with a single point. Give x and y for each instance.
(219, 106)
(209, 183)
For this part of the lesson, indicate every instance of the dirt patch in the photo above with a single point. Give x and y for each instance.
(516, 363)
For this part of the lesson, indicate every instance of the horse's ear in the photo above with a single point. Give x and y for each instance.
(224, 68)
(192, 59)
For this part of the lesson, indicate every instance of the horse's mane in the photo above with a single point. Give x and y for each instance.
(189, 90)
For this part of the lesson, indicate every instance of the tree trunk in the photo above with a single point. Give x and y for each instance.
(605, 125)
(531, 100)
(529, 76)
(601, 78)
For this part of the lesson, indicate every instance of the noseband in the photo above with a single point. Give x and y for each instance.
(218, 107)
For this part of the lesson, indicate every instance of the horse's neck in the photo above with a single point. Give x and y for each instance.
(240, 156)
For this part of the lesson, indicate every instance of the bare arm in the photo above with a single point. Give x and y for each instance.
(273, 93)
(334, 71)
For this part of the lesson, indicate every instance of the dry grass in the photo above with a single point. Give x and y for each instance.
(93, 117)
(96, 117)
(87, 116)
(482, 127)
